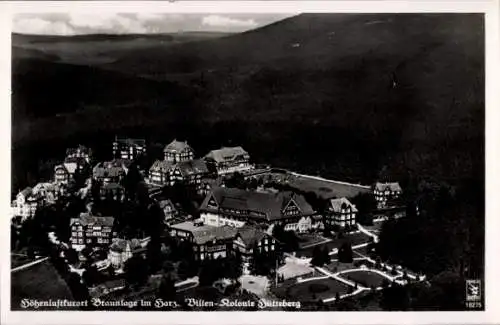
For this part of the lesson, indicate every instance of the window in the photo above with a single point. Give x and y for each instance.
(74, 234)
(272, 247)
(80, 233)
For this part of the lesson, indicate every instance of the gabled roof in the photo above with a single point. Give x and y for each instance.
(196, 166)
(393, 186)
(61, 166)
(161, 165)
(227, 154)
(86, 219)
(204, 233)
(260, 205)
(336, 205)
(177, 146)
(44, 185)
(27, 191)
(251, 235)
(163, 203)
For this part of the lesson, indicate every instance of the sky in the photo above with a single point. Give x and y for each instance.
(137, 23)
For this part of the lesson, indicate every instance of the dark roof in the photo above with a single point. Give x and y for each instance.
(103, 170)
(196, 166)
(251, 235)
(227, 154)
(131, 142)
(86, 219)
(269, 204)
(177, 146)
(77, 160)
(204, 233)
(394, 186)
(120, 245)
(118, 162)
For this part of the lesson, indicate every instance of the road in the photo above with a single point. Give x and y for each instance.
(27, 265)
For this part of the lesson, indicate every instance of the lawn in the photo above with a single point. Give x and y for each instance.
(316, 289)
(365, 278)
(326, 189)
(40, 282)
(354, 239)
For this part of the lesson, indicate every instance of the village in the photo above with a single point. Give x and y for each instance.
(211, 228)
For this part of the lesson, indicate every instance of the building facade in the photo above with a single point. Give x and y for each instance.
(385, 192)
(250, 240)
(90, 230)
(79, 152)
(130, 149)
(208, 241)
(159, 173)
(121, 250)
(26, 204)
(112, 191)
(71, 166)
(178, 151)
(341, 212)
(187, 172)
(228, 160)
(169, 210)
(235, 207)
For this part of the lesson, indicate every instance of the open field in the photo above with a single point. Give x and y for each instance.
(326, 189)
(354, 239)
(38, 282)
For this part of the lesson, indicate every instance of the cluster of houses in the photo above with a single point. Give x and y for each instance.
(179, 165)
(230, 219)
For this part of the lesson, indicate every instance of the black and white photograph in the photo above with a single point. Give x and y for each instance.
(239, 161)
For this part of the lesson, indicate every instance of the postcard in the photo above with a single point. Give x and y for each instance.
(172, 162)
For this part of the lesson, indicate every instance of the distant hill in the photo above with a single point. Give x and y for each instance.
(344, 95)
(47, 90)
(101, 48)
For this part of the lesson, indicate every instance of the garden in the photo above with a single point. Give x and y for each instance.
(365, 278)
(316, 289)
